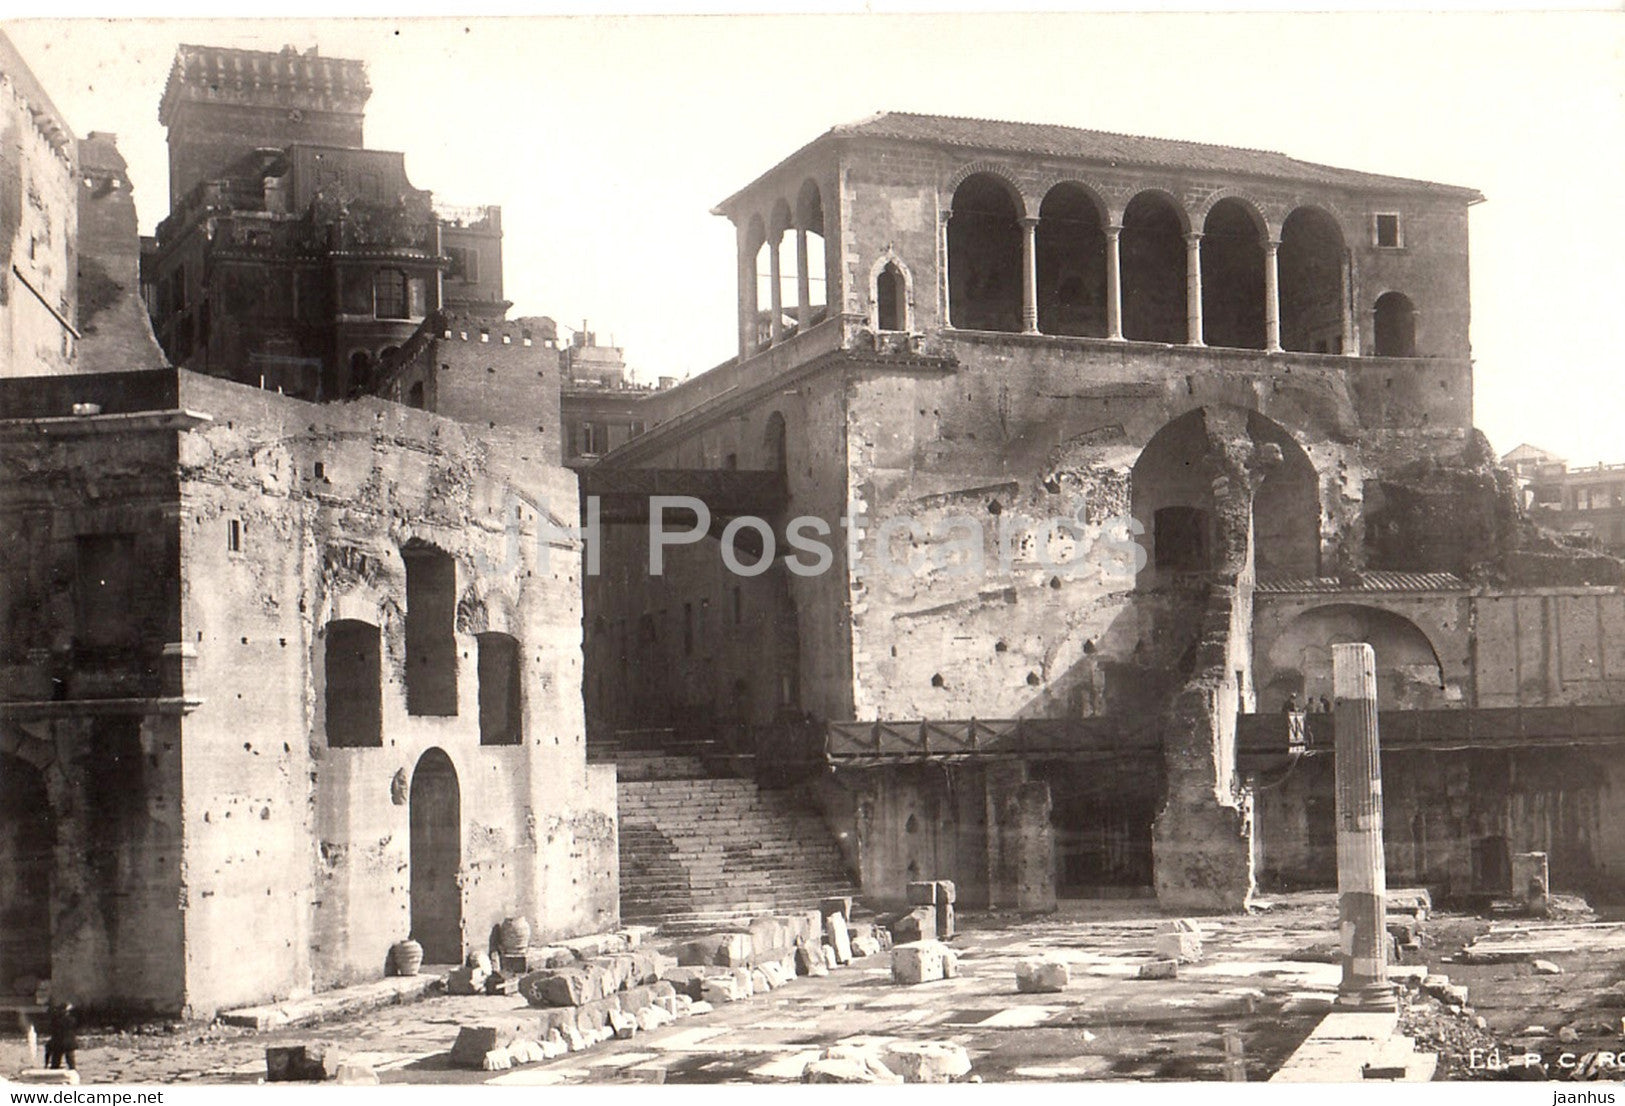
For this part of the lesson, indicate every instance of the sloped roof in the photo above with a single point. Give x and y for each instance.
(1364, 582)
(1053, 140)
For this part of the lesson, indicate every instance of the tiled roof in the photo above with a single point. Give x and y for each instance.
(1119, 150)
(1363, 582)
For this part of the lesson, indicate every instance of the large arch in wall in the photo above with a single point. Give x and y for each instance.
(28, 835)
(1410, 675)
(984, 255)
(1172, 497)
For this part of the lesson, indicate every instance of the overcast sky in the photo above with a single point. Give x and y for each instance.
(608, 140)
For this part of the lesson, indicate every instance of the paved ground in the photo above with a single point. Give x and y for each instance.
(1265, 982)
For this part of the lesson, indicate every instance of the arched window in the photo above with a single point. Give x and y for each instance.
(891, 307)
(501, 718)
(1395, 329)
(1311, 260)
(431, 647)
(984, 256)
(810, 228)
(1153, 266)
(354, 693)
(1071, 259)
(1232, 277)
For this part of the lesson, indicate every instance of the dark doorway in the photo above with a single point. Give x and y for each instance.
(1395, 325)
(1101, 816)
(27, 871)
(436, 855)
(889, 297)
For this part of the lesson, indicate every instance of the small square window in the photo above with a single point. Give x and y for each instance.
(1387, 231)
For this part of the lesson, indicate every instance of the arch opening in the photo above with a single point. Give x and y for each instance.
(1395, 325)
(27, 876)
(984, 256)
(890, 299)
(1152, 256)
(435, 857)
(1071, 260)
(1232, 277)
(1409, 674)
(1312, 261)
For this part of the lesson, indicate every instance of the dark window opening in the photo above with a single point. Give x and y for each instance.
(354, 692)
(1152, 256)
(889, 298)
(1388, 231)
(105, 576)
(431, 647)
(1395, 329)
(414, 397)
(465, 264)
(500, 682)
(984, 257)
(1180, 540)
(1070, 253)
(389, 294)
(234, 536)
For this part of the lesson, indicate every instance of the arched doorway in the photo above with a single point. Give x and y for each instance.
(1233, 276)
(27, 872)
(436, 856)
(984, 256)
(1312, 261)
(1395, 325)
(1153, 264)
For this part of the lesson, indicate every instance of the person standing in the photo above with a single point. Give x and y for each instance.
(64, 1039)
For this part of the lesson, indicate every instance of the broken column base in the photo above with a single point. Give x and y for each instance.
(1202, 855)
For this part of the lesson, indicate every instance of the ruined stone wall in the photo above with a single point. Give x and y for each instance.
(491, 373)
(1451, 820)
(115, 332)
(294, 844)
(38, 226)
(1549, 647)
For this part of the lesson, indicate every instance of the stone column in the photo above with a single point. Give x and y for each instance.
(1272, 296)
(803, 282)
(1351, 337)
(1193, 288)
(775, 291)
(1029, 275)
(1114, 282)
(1362, 879)
(747, 296)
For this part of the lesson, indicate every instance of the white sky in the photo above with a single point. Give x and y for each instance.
(607, 141)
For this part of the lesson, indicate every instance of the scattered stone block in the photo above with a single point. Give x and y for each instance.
(923, 893)
(1405, 931)
(1042, 975)
(625, 1025)
(917, 962)
(466, 979)
(928, 1061)
(950, 963)
(303, 1063)
(848, 1065)
(841, 905)
(727, 950)
(865, 946)
(563, 986)
(919, 924)
(947, 892)
(594, 945)
(1546, 967)
(573, 1040)
(760, 984)
(356, 1073)
(699, 1008)
(687, 981)
(805, 959)
(1568, 1035)
(947, 924)
(1531, 882)
(836, 937)
(1181, 941)
(496, 1060)
(554, 1045)
(1159, 969)
(634, 936)
(65, 1077)
(478, 960)
(830, 960)
(723, 988)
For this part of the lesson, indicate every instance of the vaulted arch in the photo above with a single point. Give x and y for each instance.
(984, 255)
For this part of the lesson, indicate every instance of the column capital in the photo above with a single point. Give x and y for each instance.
(1193, 238)
(1113, 229)
(1028, 222)
(1273, 245)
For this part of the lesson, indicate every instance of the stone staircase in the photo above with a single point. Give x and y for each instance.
(698, 852)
